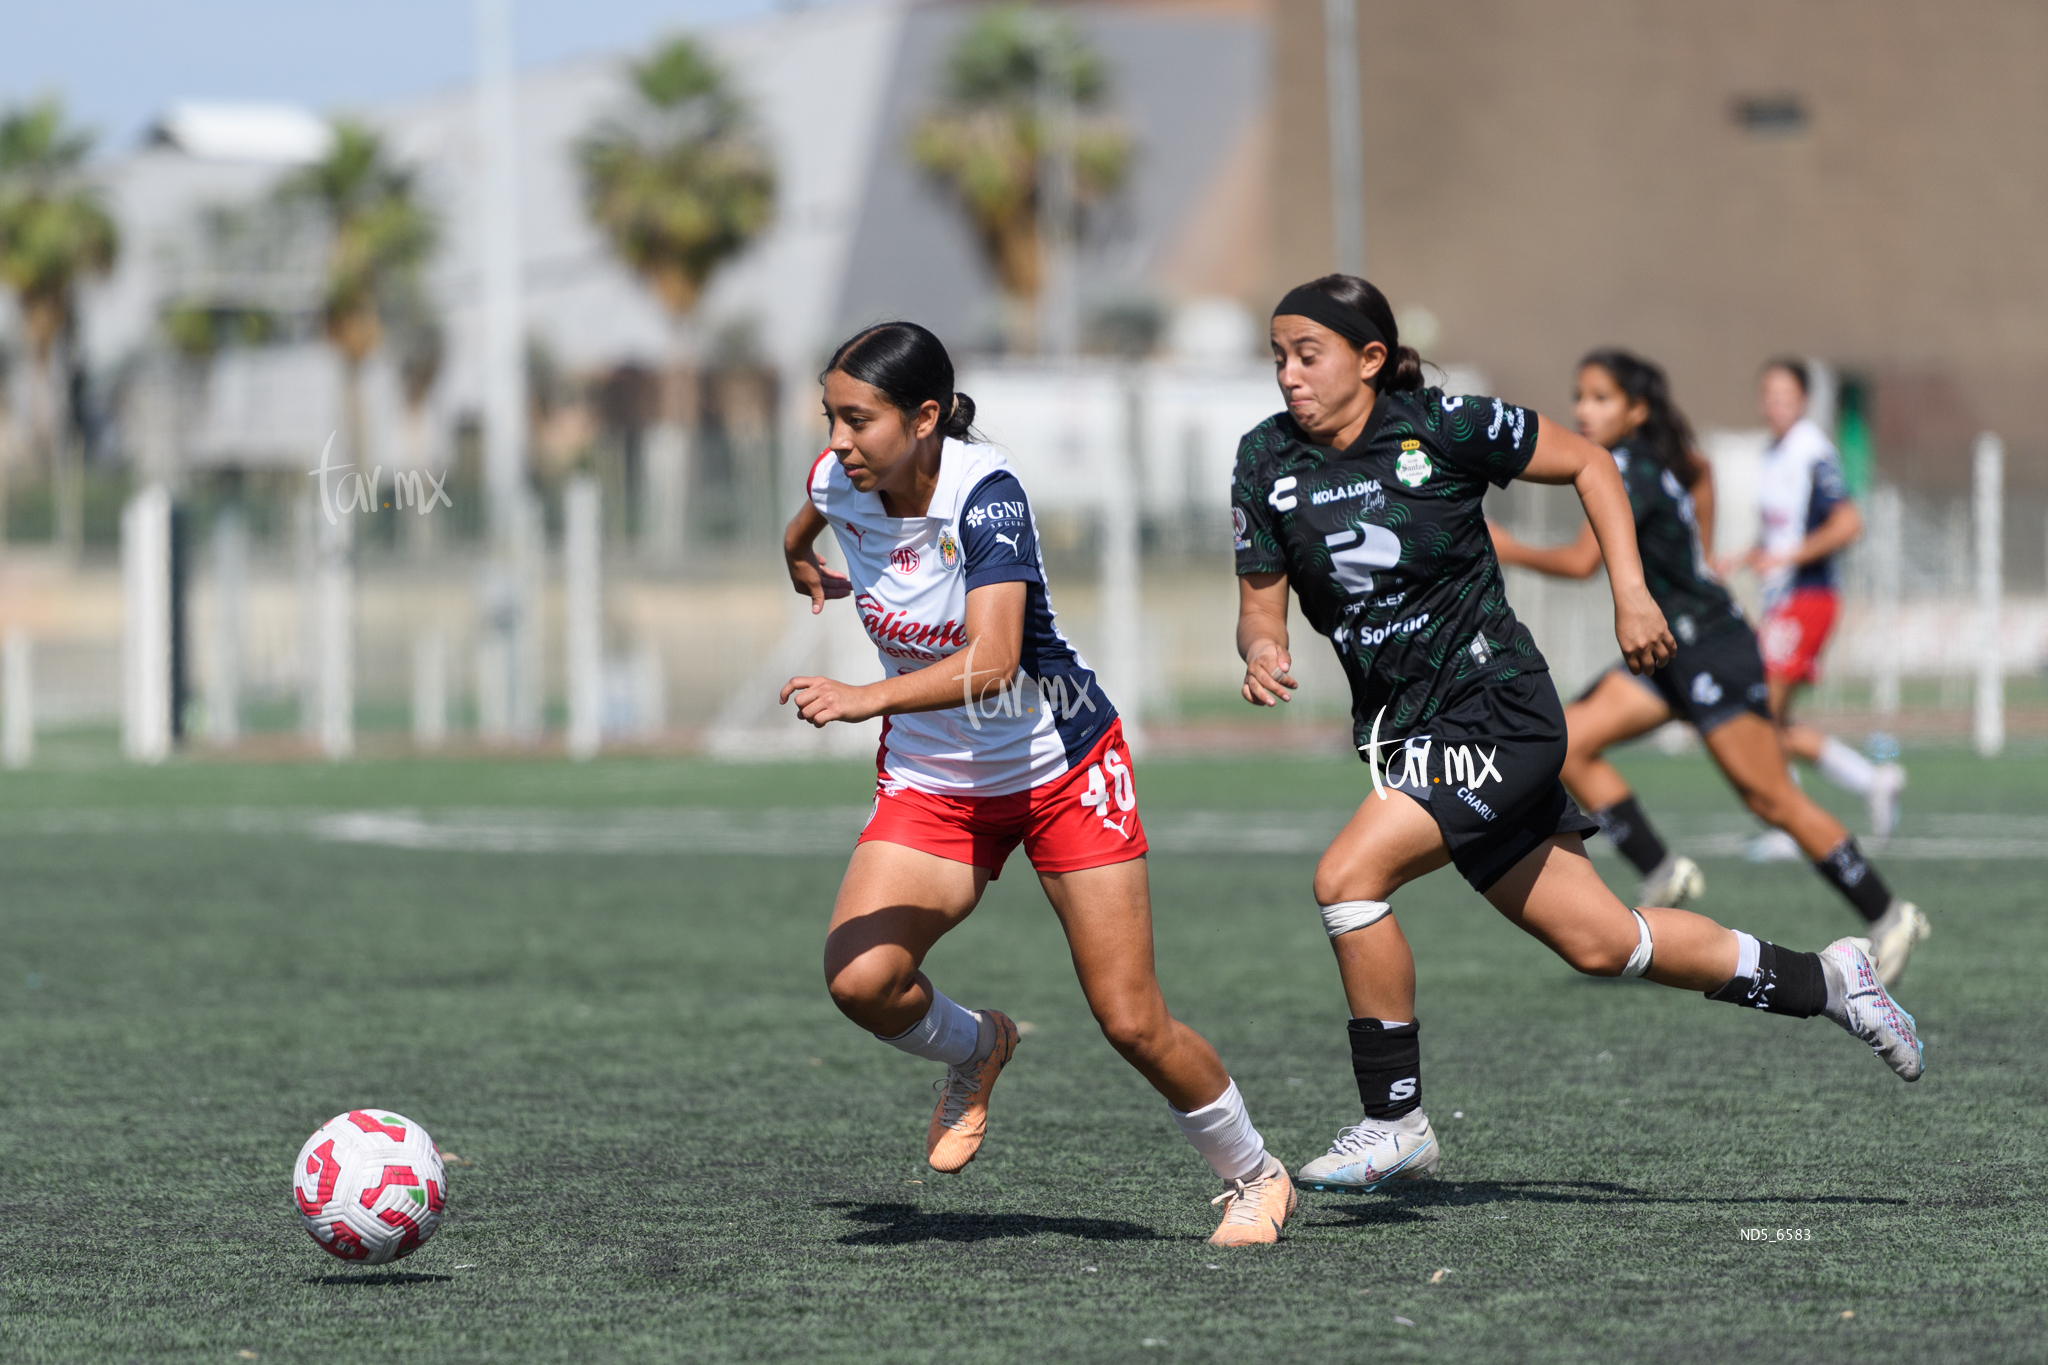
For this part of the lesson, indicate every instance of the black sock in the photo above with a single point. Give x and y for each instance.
(1786, 982)
(1625, 823)
(1849, 873)
(1388, 1064)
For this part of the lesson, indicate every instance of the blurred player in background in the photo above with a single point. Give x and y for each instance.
(1364, 496)
(1807, 520)
(1715, 682)
(995, 734)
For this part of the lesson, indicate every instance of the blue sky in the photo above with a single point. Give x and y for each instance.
(117, 63)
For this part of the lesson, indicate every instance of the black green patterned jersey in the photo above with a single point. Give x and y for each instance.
(1674, 563)
(1387, 548)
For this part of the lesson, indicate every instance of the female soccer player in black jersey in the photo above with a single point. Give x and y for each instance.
(1716, 680)
(1364, 497)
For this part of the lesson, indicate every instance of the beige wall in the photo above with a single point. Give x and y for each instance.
(1547, 177)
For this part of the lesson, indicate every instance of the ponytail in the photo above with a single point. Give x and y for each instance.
(959, 419)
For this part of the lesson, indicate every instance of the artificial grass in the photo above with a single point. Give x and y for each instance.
(666, 1145)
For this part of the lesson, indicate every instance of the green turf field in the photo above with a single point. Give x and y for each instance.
(666, 1145)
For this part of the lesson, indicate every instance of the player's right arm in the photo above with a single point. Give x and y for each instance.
(986, 663)
(808, 574)
(1262, 639)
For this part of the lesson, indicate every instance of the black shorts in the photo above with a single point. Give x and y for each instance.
(1487, 769)
(1710, 683)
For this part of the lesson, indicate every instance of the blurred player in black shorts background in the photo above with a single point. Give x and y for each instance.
(1716, 680)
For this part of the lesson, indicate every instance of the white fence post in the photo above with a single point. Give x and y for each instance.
(224, 655)
(1122, 663)
(1990, 501)
(430, 688)
(1886, 553)
(583, 616)
(146, 626)
(18, 683)
(334, 597)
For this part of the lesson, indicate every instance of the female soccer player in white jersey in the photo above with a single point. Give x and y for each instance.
(1364, 497)
(1715, 682)
(995, 733)
(1807, 521)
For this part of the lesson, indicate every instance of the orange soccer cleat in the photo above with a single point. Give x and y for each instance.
(1254, 1210)
(961, 1119)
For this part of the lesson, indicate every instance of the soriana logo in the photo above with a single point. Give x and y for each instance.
(903, 559)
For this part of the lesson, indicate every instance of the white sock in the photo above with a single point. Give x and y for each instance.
(947, 1033)
(1222, 1132)
(1846, 768)
(1745, 955)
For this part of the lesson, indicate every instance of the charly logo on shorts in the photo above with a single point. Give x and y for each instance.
(1413, 468)
(1705, 691)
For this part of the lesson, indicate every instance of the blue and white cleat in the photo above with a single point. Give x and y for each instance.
(1858, 1001)
(1367, 1155)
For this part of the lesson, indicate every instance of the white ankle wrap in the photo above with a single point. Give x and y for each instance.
(1639, 960)
(1345, 916)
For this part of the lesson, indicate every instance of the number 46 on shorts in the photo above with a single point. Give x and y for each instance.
(1117, 786)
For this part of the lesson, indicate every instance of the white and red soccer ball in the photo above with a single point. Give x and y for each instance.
(369, 1186)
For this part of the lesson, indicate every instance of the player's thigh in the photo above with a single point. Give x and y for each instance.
(1555, 896)
(894, 903)
(1390, 840)
(1107, 915)
(1618, 709)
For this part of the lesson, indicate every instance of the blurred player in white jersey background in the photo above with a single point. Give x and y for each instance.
(1807, 520)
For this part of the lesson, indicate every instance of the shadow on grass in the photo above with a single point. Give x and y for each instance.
(374, 1281)
(1400, 1202)
(903, 1224)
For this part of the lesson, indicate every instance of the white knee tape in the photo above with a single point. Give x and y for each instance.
(1345, 916)
(1639, 960)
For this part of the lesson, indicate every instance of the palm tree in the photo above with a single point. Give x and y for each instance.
(378, 236)
(54, 233)
(1011, 74)
(679, 182)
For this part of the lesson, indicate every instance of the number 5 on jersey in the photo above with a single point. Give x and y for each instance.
(1100, 792)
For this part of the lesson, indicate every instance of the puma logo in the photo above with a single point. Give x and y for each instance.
(1011, 542)
(1117, 825)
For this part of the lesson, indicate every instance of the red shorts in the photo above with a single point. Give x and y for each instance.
(1794, 634)
(1089, 818)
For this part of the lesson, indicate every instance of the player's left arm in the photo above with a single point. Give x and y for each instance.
(1576, 560)
(987, 663)
(1563, 456)
(1840, 529)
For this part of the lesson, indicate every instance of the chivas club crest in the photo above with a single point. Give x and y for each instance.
(949, 552)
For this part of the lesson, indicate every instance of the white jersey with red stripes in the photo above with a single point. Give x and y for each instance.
(911, 577)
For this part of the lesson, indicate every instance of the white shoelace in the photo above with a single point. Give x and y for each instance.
(1360, 1138)
(1240, 1201)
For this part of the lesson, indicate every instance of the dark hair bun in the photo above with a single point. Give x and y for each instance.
(1403, 371)
(960, 421)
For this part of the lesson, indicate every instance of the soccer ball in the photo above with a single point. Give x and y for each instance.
(369, 1186)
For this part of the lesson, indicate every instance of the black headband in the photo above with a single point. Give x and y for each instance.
(1309, 302)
